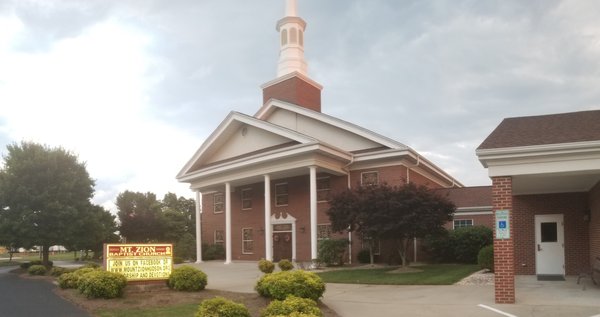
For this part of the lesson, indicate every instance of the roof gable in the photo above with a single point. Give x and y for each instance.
(327, 129)
(543, 130)
(239, 135)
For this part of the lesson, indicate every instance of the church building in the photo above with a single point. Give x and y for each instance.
(264, 180)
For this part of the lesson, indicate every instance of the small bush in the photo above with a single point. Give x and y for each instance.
(92, 265)
(298, 283)
(266, 266)
(37, 270)
(177, 260)
(102, 284)
(468, 241)
(213, 252)
(71, 280)
(291, 305)
(26, 265)
(58, 271)
(364, 256)
(485, 258)
(331, 251)
(187, 278)
(285, 265)
(221, 307)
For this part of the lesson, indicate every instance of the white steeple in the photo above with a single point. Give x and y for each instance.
(291, 34)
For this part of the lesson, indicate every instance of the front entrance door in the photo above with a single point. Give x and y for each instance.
(550, 245)
(282, 246)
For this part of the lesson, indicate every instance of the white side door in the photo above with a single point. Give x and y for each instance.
(550, 245)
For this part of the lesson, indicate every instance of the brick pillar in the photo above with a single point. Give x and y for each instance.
(504, 255)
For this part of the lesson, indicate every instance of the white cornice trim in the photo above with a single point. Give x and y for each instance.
(242, 118)
(289, 76)
(272, 104)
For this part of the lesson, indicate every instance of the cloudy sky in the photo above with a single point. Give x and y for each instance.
(133, 87)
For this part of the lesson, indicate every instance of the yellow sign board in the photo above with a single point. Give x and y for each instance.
(139, 262)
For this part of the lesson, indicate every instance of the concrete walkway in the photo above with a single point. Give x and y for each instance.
(534, 298)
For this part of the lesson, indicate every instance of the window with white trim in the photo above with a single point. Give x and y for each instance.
(218, 203)
(323, 231)
(367, 242)
(323, 189)
(281, 194)
(246, 198)
(247, 241)
(219, 237)
(369, 178)
(463, 223)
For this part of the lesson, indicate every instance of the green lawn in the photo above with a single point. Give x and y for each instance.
(167, 311)
(438, 274)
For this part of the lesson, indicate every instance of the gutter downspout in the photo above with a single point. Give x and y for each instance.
(347, 170)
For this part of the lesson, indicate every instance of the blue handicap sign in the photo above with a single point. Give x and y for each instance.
(502, 224)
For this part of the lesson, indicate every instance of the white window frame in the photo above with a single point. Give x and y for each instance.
(245, 190)
(462, 226)
(369, 172)
(221, 242)
(244, 240)
(330, 231)
(328, 189)
(286, 194)
(376, 248)
(222, 203)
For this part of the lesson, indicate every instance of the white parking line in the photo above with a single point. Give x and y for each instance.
(498, 311)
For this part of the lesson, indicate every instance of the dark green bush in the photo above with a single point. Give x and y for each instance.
(460, 245)
(177, 260)
(26, 265)
(485, 259)
(291, 305)
(468, 241)
(221, 307)
(213, 252)
(266, 266)
(185, 247)
(37, 270)
(285, 265)
(58, 271)
(102, 284)
(92, 265)
(331, 251)
(187, 278)
(364, 256)
(298, 283)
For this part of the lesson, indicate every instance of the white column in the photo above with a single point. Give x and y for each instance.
(268, 228)
(313, 212)
(198, 227)
(227, 223)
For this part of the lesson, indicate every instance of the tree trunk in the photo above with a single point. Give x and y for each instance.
(402, 247)
(45, 255)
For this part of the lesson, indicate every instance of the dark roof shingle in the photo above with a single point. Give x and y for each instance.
(547, 129)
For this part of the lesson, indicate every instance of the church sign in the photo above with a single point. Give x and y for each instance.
(139, 262)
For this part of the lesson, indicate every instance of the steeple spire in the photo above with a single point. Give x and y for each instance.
(291, 32)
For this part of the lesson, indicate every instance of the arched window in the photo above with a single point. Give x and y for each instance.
(301, 37)
(293, 36)
(283, 37)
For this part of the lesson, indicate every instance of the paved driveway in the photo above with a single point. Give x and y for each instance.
(31, 297)
(547, 299)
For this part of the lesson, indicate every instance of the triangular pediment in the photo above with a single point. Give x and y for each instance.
(327, 129)
(239, 136)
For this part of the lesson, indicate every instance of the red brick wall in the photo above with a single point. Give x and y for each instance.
(572, 206)
(478, 220)
(296, 91)
(594, 225)
(504, 278)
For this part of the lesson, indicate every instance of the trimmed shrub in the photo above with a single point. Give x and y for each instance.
(485, 258)
(71, 280)
(213, 252)
(285, 265)
(26, 265)
(185, 247)
(298, 283)
(290, 305)
(468, 241)
(331, 251)
(58, 271)
(92, 265)
(37, 270)
(221, 307)
(266, 266)
(187, 278)
(364, 256)
(102, 284)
